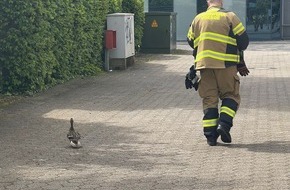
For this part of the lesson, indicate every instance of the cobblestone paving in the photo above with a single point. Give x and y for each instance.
(142, 130)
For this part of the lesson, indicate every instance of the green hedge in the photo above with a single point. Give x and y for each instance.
(46, 42)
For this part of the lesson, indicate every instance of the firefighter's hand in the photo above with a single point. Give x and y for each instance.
(242, 68)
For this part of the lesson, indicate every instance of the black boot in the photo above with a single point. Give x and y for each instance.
(211, 137)
(210, 120)
(224, 131)
(211, 141)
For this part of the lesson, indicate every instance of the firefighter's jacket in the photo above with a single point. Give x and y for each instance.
(217, 37)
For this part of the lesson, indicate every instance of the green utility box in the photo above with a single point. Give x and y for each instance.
(159, 32)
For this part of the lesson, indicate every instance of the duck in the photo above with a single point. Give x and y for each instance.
(73, 136)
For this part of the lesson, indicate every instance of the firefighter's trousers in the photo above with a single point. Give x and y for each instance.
(215, 84)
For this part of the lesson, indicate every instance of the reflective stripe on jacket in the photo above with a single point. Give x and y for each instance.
(217, 36)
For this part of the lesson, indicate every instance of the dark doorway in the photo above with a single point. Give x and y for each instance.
(201, 6)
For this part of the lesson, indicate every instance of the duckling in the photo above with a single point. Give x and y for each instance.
(73, 136)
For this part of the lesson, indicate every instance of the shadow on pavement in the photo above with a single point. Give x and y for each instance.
(282, 147)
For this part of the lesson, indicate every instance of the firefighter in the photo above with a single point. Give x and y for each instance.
(218, 39)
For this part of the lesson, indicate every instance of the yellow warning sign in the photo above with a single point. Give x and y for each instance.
(154, 24)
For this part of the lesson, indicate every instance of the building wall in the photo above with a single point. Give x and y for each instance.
(146, 6)
(187, 9)
(239, 7)
(285, 20)
(185, 13)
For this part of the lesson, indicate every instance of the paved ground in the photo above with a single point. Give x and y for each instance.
(142, 130)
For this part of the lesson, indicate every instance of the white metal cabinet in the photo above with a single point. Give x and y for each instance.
(123, 24)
